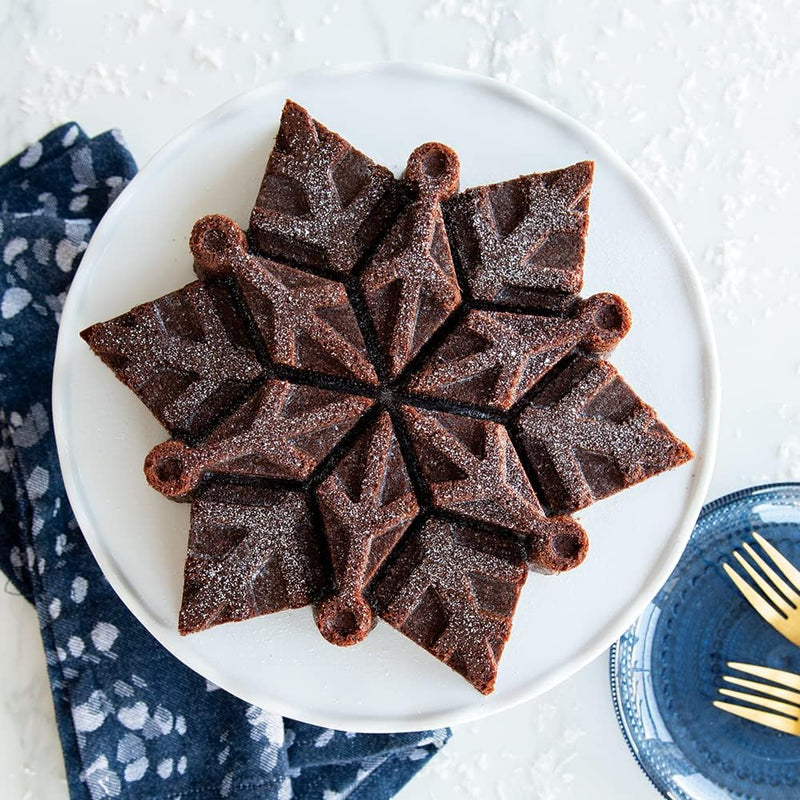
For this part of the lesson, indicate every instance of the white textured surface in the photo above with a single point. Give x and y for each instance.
(698, 95)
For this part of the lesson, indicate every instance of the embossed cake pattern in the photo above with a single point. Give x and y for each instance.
(386, 397)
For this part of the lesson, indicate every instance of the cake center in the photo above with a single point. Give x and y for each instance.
(387, 397)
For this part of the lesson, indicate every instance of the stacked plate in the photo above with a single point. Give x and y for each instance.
(666, 670)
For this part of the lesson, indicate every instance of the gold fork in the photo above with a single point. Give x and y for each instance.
(781, 608)
(784, 713)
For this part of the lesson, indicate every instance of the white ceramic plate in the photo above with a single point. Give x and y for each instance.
(280, 661)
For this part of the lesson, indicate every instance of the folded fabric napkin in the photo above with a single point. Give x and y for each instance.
(134, 722)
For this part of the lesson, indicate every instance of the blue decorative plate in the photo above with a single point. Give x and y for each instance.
(666, 669)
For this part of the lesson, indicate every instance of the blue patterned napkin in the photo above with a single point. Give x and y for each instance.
(134, 722)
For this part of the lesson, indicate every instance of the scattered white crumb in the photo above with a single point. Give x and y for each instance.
(189, 19)
(207, 56)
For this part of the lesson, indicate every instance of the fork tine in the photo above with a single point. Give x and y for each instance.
(765, 587)
(790, 572)
(780, 584)
(782, 694)
(761, 717)
(788, 679)
(764, 702)
(753, 597)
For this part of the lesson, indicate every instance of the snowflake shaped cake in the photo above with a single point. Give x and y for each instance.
(386, 398)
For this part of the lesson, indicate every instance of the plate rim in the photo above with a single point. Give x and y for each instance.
(706, 448)
(656, 778)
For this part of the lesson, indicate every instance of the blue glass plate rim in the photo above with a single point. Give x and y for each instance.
(707, 509)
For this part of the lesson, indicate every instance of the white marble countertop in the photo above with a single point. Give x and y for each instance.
(700, 96)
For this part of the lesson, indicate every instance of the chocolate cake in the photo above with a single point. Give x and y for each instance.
(281, 431)
(521, 243)
(322, 203)
(304, 320)
(366, 503)
(453, 590)
(252, 551)
(410, 285)
(587, 435)
(187, 355)
(386, 397)
(492, 358)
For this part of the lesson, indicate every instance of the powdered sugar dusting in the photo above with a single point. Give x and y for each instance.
(597, 436)
(272, 565)
(431, 594)
(503, 265)
(318, 197)
(151, 341)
